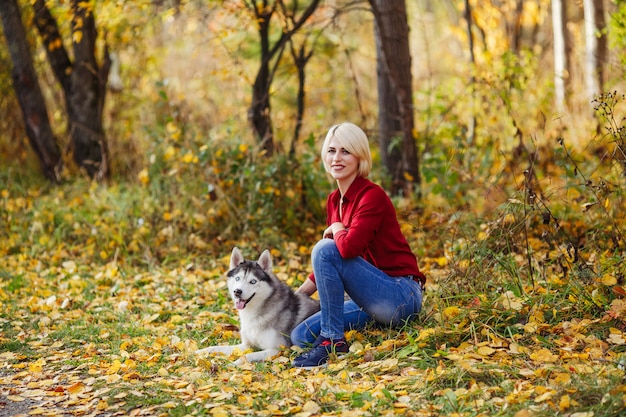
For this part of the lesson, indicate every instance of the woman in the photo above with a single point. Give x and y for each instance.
(363, 253)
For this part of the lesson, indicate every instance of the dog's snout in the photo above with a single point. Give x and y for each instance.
(237, 292)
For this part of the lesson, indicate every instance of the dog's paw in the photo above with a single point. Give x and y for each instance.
(203, 352)
(224, 350)
(242, 361)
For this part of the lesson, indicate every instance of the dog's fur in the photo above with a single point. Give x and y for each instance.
(268, 308)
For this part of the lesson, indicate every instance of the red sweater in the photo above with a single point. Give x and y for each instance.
(372, 230)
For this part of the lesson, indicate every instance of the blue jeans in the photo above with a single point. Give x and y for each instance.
(375, 296)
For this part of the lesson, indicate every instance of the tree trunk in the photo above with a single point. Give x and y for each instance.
(389, 120)
(392, 32)
(516, 31)
(83, 84)
(471, 128)
(470, 34)
(29, 94)
(603, 47)
(591, 47)
(300, 58)
(560, 53)
(86, 97)
(259, 113)
(595, 47)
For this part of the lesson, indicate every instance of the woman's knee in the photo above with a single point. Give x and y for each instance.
(324, 248)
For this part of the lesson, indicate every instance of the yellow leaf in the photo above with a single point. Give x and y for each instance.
(37, 366)
(616, 339)
(115, 367)
(451, 312)
(15, 398)
(171, 127)
(608, 280)
(162, 341)
(509, 300)
(85, 5)
(77, 36)
(112, 379)
(131, 375)
(562, 378)
(564, 403)
(215, 412)
(543, 355)
(143, 176)
(531, 327)
(76, 388)
(69, 266)
(544, 397)
(485, 351)
(170, 151)
(188, 158)
(311, 407)
(425, 334)
(102, 405)
(509, 219)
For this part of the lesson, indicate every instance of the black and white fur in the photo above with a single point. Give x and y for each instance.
(268, 308)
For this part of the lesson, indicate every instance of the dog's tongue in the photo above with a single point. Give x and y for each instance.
(240, 304)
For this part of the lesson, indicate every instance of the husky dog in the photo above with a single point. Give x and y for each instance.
(268, 308)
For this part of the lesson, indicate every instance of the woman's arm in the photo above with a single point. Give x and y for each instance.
(332, 229)
(308, 287)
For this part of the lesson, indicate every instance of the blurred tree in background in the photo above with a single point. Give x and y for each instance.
(83, 83)
(28, 92)
(396, 122)
(475, 81)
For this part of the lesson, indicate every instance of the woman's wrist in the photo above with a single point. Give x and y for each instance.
(308, 287)
(337, 227)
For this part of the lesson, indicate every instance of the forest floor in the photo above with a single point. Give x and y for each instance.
(91, 327)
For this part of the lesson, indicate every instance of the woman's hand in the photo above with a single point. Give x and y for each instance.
(332, 229)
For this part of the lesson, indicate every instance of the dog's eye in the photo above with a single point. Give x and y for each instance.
(237, 279)
(253, 281)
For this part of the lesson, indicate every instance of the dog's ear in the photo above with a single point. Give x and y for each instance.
(235, 258)
(265, 261)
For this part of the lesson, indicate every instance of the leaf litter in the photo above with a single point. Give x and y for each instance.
(84, 334)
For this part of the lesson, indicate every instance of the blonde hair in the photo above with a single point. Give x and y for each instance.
(352, 139)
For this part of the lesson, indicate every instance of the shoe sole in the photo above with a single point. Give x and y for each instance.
(324, 365)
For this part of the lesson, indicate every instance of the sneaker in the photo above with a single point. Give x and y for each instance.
(319, 353)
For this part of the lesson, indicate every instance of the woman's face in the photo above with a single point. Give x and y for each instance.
(341, 163)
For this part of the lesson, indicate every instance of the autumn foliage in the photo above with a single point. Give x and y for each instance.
(106, 289)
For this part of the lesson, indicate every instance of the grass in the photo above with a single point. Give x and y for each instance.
(114, 287)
